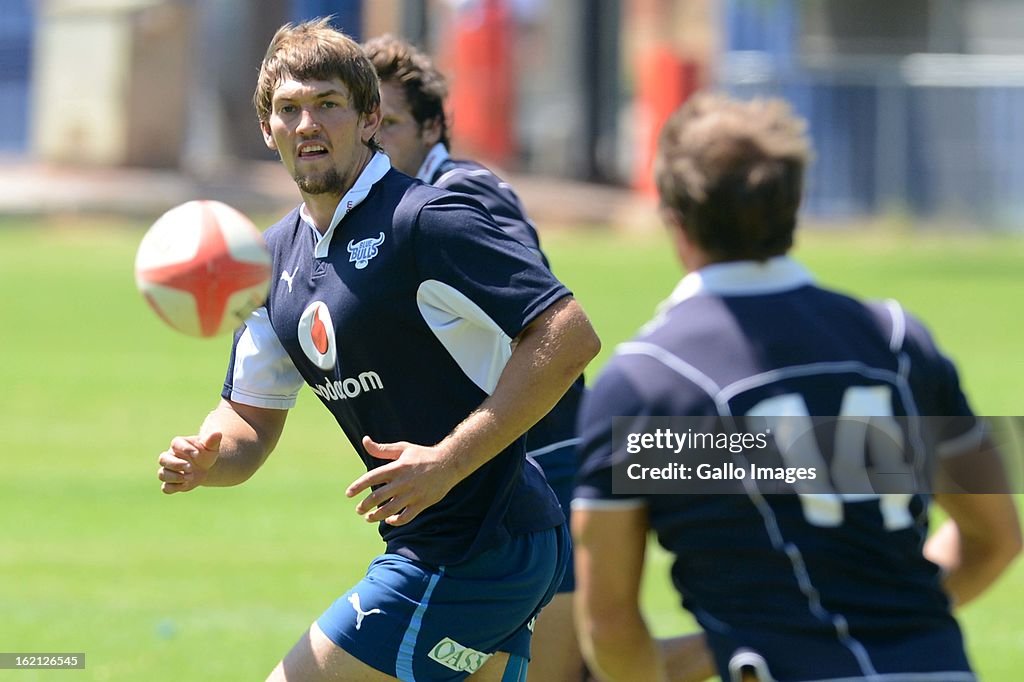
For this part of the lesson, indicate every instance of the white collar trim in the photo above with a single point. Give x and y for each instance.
(378, 167)
(741, 278)
(437, 155)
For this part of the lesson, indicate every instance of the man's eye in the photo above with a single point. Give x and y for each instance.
(287, 108)
(328, 104)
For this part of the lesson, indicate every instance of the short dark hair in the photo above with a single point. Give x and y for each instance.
(732, 171)
(425, 87)
(315, 50)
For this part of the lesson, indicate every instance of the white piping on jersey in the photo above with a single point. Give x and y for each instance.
(897, 338)
(437, 155)
(770, 376)
(376, 169)
(964, 443)
(475, 341)
(554, 446)
(263, 374)
(804, 584)
(899, 325)
(478, 172)
(673, 362)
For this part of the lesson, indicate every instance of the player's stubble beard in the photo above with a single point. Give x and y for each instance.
(325, 182)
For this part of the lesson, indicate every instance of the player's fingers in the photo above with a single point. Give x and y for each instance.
(378, 476)
(171, 488)
(389, 508)
(183, 446)
(169, 460)
(170, 476)
(404, 516)
(376, 498)
(383, 450)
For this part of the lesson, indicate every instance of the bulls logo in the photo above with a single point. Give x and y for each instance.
(316, 336)
(361, 253)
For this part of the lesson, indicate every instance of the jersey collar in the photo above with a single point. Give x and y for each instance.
(378, 167)
(437, 155)
(741, 278)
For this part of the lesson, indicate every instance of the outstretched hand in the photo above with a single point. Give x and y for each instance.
(416, 478)
(185, 465)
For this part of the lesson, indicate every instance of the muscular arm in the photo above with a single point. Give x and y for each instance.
(232, 443)
(548, 356)
(976, 544)
(609, 550)
(982, 535)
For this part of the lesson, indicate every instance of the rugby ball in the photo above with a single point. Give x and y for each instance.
(203, 267)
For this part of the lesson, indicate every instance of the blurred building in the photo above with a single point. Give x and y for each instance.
(915, 105)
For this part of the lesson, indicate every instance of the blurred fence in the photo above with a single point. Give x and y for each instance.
(929, 133)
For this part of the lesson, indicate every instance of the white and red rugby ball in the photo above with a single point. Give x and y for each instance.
(203, 267)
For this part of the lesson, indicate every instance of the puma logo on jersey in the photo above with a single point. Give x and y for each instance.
(361, 253)
(287, 279)
(360, 614)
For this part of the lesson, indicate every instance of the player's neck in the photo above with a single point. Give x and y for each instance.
(321, 208)
(690, 254)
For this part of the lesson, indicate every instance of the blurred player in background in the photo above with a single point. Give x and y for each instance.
(414, 133)
(786, 587)
(436, 341)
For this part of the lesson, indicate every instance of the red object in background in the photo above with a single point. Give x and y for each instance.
(664, 81)
(482, 97)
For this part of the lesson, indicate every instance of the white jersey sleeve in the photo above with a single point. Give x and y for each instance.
(261, 373)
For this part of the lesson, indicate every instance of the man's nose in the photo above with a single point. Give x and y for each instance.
(308, 122)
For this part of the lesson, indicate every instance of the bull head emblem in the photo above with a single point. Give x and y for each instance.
(361, 253)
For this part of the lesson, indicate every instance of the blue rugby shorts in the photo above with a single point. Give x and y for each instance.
(416, 621)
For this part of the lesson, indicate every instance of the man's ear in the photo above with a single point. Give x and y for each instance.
(371, 122)
(268, 138)
(430, 132)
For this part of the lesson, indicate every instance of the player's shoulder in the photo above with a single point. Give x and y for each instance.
(456, 167)
(906, 332)
(284, 230)
(651, 374)
(404, 198)
(462, 174)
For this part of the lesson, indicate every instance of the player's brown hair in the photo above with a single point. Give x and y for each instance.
(424, 87)
(315, 50)
(732, 172)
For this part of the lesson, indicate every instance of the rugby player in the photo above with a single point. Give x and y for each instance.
(788, 587)
(435, 340)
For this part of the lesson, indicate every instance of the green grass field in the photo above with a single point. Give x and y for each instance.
(217, 584)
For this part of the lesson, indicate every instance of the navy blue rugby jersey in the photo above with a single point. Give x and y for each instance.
(400, 319)
(819, 588)
(558, 428)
